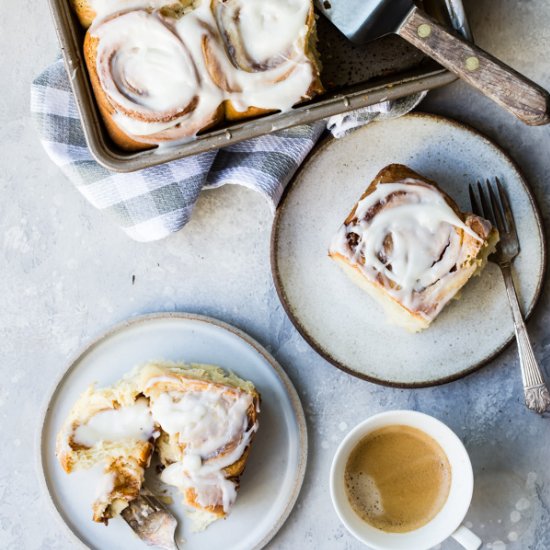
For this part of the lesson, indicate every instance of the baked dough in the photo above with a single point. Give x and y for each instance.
(265, 69)
(408, 245)
(88, 11)
(111, 430)
(200, 419)
(163, 72)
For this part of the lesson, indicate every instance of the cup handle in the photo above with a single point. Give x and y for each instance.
(467, 538)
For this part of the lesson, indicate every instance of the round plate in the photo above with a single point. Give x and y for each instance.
(274, 472)
(336, 317)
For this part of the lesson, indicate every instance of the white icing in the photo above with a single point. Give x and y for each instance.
(162, 68)
(150, 76)
(154, 69)
(425, 243)
(94, 483)
(205, 421)
(131, 422)
(104, 486)
(213, 426)
(269, 29)
(211, 489)
(272, 35)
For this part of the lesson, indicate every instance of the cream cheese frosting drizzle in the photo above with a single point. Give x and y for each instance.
(267, 29)
(150, 76)
(212, 427)
(95, 484)
(129, 422)
(150, 70)
(405, 236)
(264, 62)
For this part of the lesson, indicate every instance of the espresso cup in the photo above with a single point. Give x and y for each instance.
(446, 523)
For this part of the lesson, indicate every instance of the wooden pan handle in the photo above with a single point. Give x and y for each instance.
(513, 91)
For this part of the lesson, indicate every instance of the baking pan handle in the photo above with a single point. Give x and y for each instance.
(505, 86)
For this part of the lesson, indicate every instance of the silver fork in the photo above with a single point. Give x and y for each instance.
(497, 210)
(151, 521)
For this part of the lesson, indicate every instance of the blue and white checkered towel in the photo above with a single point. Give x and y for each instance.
(152, 203)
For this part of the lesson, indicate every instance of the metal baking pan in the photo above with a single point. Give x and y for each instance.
(354, 77)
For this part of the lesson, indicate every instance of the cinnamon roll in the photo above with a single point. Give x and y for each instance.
(199, 419)
(410, 247)
(147, 83)
(208, 421)
(168, 70)
(269, 62)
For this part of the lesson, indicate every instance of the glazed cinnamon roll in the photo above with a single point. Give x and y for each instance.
(208, 421)
(408, 245)
(168, 70)
(147, 83)
(269, 62)
(200, 420)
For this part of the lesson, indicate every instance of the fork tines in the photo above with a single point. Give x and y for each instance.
(493, 205)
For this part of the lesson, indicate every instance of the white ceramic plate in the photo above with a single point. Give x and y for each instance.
(335, 316)
(275, 469)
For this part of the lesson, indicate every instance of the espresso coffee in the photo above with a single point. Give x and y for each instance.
(397, 478)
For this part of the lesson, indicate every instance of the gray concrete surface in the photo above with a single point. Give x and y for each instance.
(66, 275)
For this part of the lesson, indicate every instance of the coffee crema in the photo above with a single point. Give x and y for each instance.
(397, 478)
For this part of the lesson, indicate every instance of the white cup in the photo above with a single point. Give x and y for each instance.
(447, 523)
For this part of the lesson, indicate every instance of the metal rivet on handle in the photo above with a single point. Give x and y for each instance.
(424, 30)
(472, 63)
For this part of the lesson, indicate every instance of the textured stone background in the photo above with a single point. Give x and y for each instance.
(66, 275)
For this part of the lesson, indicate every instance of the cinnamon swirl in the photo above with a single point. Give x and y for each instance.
(408, 245)
(200, 420)
(147, 83)
(272, 47)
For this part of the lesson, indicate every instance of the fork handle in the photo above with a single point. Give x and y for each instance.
(537, 397)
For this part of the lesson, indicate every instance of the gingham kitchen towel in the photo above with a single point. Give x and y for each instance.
(153, 203)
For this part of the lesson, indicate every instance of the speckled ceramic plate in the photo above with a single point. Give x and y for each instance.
(274, 472)
(335, 316)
